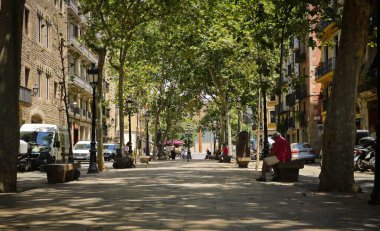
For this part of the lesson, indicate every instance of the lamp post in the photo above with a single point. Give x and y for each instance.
(147, 115)
(159, 144)
(264, 70)
(129, 108)
(215, 132)
(93, 74)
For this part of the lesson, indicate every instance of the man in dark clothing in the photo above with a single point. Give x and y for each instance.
(173, 154)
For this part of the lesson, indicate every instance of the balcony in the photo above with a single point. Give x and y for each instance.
(280, 109)
(301, 93)
(290, 99)
(324, 68)
(81, 84)
(72, 7)
(82, 50)
(25, 96)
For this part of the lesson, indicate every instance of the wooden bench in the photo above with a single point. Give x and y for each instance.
(60, 173)
(288, 171)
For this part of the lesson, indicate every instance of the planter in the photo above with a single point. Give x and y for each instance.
(243, 162)
(60, 173)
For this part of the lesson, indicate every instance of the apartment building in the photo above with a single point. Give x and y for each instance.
(300, 117)
(46, 22)
(366, 105)
(40, 96)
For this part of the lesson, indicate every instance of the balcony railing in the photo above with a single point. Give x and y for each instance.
(301, 93)
(290, 99)
(81, 83)
(25, 95)
(72, 5)
(279, 109)
(325, 67)
(81, 49)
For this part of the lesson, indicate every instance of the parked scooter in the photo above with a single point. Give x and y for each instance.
(364, 158)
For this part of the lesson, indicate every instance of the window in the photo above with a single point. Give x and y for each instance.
(55, 3)
(61, 5)
(272, 116)
(26, 20)
(26, 80)
(39, 73)
(39, 28)
(289, 69)
(47, 87)
(47, 34)
(55, 90)
(326, 53)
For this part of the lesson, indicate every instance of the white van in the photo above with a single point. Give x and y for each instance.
(81, 150)
(47, 142)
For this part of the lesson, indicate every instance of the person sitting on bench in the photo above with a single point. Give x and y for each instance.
(281, 150)
(224, 153)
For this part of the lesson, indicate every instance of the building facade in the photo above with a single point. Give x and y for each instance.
(366, 105)
(298, 109)
(47, 63)
(40, 97)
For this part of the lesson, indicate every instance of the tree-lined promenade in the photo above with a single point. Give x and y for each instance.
(177, 57)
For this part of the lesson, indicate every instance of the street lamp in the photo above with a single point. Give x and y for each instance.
(215, 130)
(263, 69)
(93, 75)
(129, 108)
(147, 115)
(159, 143)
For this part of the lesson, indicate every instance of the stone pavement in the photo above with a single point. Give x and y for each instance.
(181, 195)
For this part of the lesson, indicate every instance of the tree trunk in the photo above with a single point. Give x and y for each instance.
(11, 18)
(99, 123)
(338, 141)
(155, 141)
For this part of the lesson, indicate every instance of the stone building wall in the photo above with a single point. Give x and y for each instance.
(43, 21)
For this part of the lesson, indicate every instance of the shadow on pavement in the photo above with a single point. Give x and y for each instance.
(181, 195)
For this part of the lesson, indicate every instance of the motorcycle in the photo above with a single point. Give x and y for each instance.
(34, 159)
(365, 153)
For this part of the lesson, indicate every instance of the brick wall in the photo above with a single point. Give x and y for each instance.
(40, 56)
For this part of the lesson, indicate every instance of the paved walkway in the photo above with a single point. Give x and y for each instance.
(181, 195)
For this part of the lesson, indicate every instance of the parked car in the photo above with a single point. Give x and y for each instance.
(303, 151)
(81, 150)
(109, 151)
